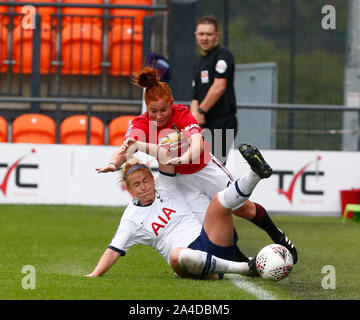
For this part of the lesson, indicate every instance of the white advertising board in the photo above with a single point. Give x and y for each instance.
(60, 174)
(303, 182)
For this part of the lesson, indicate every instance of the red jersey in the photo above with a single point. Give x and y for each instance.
(175, 134)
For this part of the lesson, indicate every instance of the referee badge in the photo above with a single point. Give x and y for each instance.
(221, 66)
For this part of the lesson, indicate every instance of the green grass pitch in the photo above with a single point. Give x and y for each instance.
(63, 243)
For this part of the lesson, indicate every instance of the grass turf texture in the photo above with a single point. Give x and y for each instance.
(65, 242)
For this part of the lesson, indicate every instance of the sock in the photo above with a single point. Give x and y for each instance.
(198, 262)
(248, 182)
(232, 196)
(263, 221)
(240, 256)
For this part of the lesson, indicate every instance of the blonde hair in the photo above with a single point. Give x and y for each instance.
(155, 89)
(126, 170)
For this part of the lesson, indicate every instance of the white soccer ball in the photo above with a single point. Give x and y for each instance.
(274, 262)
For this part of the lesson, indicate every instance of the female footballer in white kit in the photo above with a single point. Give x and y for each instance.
(199, 174)
(159, 217)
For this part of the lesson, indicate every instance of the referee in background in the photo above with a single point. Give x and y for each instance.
(214, 103)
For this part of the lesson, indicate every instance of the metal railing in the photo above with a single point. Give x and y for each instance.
(316, 126)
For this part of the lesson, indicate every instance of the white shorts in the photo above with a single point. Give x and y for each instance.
(198, 188)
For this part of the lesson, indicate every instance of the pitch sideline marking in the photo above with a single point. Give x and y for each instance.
(246, 285)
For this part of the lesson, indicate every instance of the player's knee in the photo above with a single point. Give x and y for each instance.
(174, 257)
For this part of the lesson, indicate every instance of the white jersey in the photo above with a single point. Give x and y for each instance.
(165, 224)
(200, 187)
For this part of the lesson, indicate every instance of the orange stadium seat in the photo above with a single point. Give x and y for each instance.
(23, 46)
(118, 128)
(83, 11)
(137, 14)
(125, 49)
(34, 128)
(45, 12)
(81, 49)
(4, 18)
(3, 48)
(73, 130)
(3, 130)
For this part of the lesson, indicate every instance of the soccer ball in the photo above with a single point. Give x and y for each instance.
(274, 262)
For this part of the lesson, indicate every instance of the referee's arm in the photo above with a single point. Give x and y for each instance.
(214, 93)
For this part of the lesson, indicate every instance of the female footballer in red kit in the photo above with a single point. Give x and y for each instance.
(199, 175)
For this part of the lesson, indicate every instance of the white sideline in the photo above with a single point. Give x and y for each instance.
(246, 285)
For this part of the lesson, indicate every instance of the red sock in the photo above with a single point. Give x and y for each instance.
(263, 221)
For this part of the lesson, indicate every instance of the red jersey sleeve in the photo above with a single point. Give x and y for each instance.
(137, 130)
(187, 121)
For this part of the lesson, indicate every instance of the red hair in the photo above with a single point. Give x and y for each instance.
(155, 89)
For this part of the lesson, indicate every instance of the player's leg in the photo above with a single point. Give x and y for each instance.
(213, 251)
(203, 185)
(218, 222)
(255, 212)
(200, 264)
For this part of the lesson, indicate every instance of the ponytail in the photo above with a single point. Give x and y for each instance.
(155, 89)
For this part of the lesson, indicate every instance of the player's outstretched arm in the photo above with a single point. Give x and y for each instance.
(129, 147)
(119, 157)
(105, 263)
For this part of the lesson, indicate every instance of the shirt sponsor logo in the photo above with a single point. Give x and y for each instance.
(221, 66)
(156, 226)
(204, 76)
(128, 130)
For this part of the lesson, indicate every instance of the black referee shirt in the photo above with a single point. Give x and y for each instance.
(218, 63)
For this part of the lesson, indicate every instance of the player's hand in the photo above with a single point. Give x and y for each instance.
(201, 119)
(177, 161)
(126, 144)
(111, 167)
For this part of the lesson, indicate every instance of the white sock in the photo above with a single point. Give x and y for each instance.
(219, 265)
(198, 262)
(248, 182)
(233, 196)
